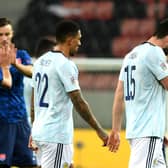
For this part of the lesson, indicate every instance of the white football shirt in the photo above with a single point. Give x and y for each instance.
(54, 76)
(145, 97)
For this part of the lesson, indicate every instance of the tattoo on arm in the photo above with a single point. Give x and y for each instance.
(83, 108)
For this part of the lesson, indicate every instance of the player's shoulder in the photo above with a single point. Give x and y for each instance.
(151, 48)
(153, 51)
(53, 58)
(59, 58)
(53, 55)
(146, 48)
(22, 53)
(19, 51)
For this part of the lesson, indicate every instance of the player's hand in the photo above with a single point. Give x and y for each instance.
(13, 51)
(71, 165)
(114, 141)
(7, 54)
(166, 141)
(32, 145)
(4, 55)
(103, 136)
(105, 140)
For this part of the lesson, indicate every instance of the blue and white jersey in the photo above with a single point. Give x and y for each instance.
(145, 97)
(54, 76)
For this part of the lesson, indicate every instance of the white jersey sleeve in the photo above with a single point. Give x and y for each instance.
(157, 65)
(68, 74)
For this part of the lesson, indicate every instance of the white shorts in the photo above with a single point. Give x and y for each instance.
(147, 153)
(53, 155)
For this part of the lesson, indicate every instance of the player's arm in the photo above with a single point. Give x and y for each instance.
(83, 108)
(164, 82)
(32, 107)
(25, 69)
(6, 77)
(31, 143)
(117, 116)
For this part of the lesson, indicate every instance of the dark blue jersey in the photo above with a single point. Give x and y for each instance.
(12, 104)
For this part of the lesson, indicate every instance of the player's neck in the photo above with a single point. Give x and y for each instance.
(63, 49)
(155, 41)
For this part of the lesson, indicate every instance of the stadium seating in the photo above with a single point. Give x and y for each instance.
(160, 8)
(109, 29)
(98, 81)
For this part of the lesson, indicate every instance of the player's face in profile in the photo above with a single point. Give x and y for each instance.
(165, 42)
(76, 42)
(6, 34)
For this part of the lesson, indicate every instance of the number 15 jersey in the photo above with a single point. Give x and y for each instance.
(145, 97)
(54, 76)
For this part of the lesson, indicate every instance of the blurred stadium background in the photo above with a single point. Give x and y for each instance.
(110, 29)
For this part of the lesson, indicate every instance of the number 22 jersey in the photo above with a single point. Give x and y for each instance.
(54, 76)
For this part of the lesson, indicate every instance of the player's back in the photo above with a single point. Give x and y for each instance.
(142, 90)
(53, 107)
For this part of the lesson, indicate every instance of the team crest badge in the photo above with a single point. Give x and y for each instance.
(73, 79)
(2, 156)
(18, 60)
(65, 165)
(163, 66)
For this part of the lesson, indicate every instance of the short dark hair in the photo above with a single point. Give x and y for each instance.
(4, 21)
(43, 45)
(66, 28)
(162, 29)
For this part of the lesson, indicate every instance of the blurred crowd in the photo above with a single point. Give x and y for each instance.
(109, 29)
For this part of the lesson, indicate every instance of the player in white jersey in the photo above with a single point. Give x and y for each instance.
(56, 90)
(141, 88)
(44, 45)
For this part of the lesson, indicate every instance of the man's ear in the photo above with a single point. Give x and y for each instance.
(12, 37)
(69, 40)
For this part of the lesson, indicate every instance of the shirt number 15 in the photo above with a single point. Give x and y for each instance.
(130, 82)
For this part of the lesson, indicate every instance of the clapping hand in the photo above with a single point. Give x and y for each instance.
(7, 54)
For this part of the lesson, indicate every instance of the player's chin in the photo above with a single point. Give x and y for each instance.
(72, 53)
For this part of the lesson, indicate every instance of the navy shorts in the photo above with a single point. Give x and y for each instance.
(14, 149)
